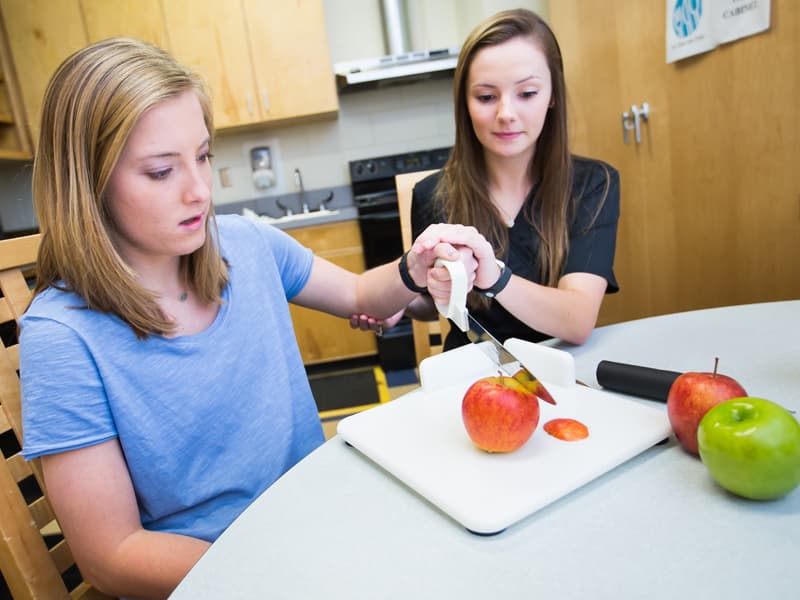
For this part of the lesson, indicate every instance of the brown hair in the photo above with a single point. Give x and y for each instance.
(91, 105)
(464, 186)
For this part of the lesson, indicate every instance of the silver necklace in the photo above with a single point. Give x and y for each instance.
(509, 219)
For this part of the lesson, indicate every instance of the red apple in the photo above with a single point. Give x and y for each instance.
(499, 413)
(691, 396)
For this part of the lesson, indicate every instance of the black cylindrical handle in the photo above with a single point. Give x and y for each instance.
(635, 380)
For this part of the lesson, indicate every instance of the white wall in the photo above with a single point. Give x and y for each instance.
(370, 123)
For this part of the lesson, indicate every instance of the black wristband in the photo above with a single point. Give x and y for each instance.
(406, 276)
(500, 284)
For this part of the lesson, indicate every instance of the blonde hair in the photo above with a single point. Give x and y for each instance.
(91, 105)
(463, 189)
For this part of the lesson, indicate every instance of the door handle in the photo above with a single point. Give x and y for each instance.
(633, 120)
(627, 125)
(640, 113)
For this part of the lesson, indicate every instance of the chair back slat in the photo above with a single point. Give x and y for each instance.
(19, 467)
(428, 335)
(35, 559)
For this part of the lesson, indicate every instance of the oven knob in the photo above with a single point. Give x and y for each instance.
(370, 166)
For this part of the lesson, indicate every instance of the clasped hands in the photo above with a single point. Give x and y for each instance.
(448, 242)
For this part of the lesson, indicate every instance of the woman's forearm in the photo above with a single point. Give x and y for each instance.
(146, 564)
(568, 312)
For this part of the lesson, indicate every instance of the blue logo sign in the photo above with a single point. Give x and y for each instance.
(686, 16)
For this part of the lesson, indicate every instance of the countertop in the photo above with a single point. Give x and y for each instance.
(339, 208)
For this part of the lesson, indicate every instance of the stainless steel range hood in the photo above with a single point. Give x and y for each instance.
(399, 66)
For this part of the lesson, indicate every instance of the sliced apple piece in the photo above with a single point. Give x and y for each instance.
(568, 430)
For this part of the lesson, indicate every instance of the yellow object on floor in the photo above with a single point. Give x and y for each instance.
(330, 418)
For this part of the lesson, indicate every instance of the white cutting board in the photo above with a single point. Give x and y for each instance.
(420, 439)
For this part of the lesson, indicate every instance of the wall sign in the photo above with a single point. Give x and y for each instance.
(695, 26)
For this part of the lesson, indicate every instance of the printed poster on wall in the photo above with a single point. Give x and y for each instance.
(696, 26)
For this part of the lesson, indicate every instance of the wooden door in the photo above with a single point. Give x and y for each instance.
(711, 197)
(291, 60)
(211, 37)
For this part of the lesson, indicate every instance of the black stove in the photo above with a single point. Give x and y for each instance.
(375, 196)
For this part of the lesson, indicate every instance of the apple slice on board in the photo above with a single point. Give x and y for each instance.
(568, 430)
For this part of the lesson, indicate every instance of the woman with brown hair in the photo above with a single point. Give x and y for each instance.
(158, 361)
(550, 216)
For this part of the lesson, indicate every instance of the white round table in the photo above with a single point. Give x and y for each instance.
(338, 526)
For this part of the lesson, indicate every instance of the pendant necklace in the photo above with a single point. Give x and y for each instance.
(508, 219)
(183, 296)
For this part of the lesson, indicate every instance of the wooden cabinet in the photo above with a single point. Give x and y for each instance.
(264, 60)
(291, 61)
(15, 142)
(322, 337)
(221, 54)
(142, 20)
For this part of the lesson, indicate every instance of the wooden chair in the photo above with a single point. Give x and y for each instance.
(428, 335)
(35, 561)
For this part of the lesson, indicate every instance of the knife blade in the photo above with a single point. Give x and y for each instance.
(505, 361)
(456, 311)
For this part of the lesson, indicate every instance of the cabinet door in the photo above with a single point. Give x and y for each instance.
(141, 20)
(41, 34)
(210, 37)
(15, 141)
(291, 60)
(320, 336)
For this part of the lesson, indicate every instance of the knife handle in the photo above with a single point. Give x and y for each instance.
(635, 380)
(456, 308)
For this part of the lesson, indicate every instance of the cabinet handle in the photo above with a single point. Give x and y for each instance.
(250, 104)
(265, 100)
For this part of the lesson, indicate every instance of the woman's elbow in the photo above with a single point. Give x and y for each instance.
(579, 332)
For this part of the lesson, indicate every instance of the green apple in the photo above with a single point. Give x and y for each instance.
(751, 447)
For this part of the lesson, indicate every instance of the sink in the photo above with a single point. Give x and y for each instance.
(313, 214)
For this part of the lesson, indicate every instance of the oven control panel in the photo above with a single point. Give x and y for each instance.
(386, 167)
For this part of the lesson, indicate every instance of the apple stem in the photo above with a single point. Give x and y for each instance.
(716, 364)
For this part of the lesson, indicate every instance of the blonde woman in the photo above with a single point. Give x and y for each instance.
(158, 361)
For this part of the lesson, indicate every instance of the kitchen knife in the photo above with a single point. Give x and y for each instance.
(456, 311)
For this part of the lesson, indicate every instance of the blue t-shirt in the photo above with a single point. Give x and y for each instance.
(207, 421)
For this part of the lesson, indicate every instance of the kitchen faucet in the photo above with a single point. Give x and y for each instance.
(298, 181)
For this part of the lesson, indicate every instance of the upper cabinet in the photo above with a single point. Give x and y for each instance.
(41, 34)
(142, 20)
(221, 52)
(291, 60)
(15, 141)
(264, 60)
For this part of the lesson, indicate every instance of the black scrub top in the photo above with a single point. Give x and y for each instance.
(591, 244)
